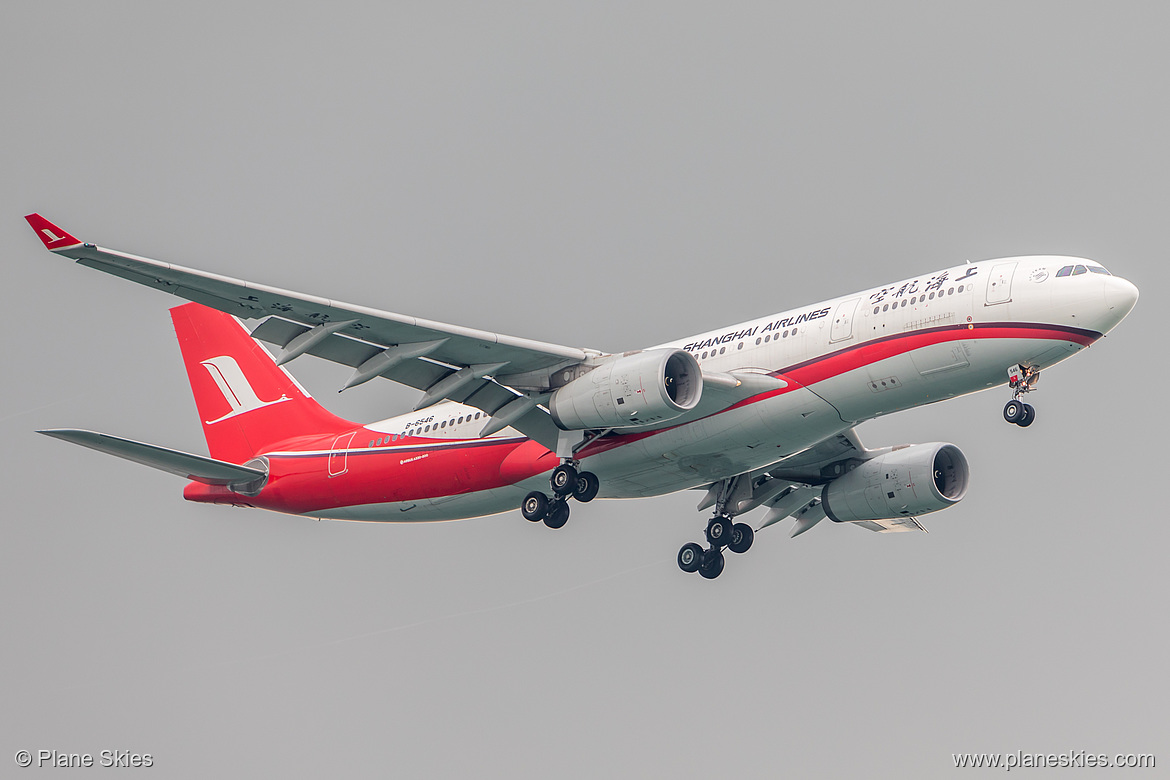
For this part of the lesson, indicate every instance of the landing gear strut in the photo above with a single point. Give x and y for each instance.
(566, 482)
(1021, 379)
(722, 531)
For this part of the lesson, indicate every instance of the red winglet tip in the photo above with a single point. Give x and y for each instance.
(50, 235)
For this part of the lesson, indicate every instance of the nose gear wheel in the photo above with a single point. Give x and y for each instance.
(1021, 379)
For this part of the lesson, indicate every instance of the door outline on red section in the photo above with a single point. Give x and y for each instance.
(999, 284)
(339, 454)
(843, 320)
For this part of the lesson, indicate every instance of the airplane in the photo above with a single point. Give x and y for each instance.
(760, 414)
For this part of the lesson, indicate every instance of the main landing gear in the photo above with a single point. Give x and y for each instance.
(1021, 379)
(722, 531)
(566, 483)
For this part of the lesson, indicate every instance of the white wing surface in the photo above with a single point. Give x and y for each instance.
(489, 371)
(447, 362)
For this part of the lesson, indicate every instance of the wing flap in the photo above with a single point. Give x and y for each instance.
(892, 526)
(483, 394)
(183, 464)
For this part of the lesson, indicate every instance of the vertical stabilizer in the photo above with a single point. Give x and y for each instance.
(246, 402)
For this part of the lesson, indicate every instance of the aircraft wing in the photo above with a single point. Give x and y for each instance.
(505, 376)
(460, 346)
(447, 362)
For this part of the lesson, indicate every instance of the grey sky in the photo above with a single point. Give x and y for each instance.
(601, 175)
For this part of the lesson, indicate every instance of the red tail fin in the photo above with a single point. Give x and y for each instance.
(246, 402)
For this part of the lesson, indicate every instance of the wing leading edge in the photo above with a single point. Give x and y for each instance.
(507, 377)
(446, 362)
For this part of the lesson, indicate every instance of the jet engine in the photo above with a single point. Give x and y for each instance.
(906, 481)
(629, 391)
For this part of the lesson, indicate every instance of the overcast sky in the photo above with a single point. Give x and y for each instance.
(605, 175)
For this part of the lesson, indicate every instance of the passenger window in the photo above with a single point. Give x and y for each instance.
(722, 350)
(903, 303)
(794, 331)
(960, 288)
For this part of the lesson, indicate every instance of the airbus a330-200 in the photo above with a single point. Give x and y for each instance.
(759, 415)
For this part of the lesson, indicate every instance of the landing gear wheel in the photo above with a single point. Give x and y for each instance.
(742, 537)
(690, 557)
(719, 530)
(558, 515)
(535, 506)
(712, 565)
(1013, 412)
(587, 487)
(1029, 416)
(563, 479)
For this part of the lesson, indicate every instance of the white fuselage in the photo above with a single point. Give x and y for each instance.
(846, 360)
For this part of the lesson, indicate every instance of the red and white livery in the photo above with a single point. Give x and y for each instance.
(759, 414)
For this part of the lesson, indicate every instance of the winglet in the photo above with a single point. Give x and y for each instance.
(53, 237)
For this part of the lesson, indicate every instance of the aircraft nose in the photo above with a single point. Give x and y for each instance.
(1120, 296)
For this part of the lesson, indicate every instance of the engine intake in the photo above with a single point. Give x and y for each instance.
(905, 482)
(630, 391)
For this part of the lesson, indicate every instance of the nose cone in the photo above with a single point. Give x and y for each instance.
(1120, 297)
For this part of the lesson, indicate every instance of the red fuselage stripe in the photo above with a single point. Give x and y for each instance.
(484, 459)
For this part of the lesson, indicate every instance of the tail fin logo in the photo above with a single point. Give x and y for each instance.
(236, 389)
(52, 238)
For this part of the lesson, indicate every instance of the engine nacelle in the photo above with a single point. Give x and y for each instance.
(905, 482)
(630, 391)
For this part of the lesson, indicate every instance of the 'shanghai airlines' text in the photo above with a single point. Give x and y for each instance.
(733, 335)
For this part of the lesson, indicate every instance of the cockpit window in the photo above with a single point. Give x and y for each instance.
(1077, 270)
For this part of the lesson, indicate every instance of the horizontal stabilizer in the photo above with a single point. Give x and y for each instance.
(196, 467)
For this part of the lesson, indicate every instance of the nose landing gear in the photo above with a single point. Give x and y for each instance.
(1021, 379)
